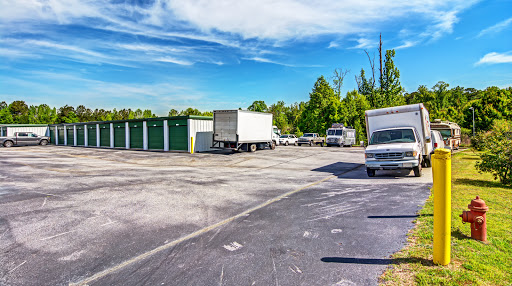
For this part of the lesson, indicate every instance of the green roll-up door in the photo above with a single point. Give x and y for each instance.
(156, 135)
(105, 135)
(91, 135)
(69, 132)
(53, 137)
(119, 135)
(80, 137)
(178, 135)
(61, 135)
(136, 135)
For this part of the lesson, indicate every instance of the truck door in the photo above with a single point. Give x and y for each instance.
(32, 139)
(22, 138)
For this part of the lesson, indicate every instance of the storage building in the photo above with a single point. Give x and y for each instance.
(10, 129)
(179, 133)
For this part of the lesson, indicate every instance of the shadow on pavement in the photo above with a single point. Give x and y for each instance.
(377, 261)
(398, 216)
(337, 168)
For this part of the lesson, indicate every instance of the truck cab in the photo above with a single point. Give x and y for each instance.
(394, 148)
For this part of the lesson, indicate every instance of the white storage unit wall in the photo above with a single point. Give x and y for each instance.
(10, 129)
(201, 132)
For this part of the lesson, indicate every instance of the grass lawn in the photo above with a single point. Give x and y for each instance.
(472, 262)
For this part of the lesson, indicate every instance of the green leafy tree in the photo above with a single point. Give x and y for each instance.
(19, 111)
(322, 109)
(173, 112)
(390, 87)
(497, 154)
(258, 106)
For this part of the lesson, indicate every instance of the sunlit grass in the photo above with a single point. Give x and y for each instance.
(472, 262)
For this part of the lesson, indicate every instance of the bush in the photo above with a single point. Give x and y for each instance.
(497, 151)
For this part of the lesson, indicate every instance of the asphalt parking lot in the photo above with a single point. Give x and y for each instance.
(292, 216)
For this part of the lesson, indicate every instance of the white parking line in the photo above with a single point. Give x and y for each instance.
(197, 233)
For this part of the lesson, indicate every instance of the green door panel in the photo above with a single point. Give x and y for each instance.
(80, 137)
(53, 138)
(91, 135)
(156, 137)
(70, 138)
(178, 137)
(105, 135)
(136, 137)
(61, 135)
(119, 136)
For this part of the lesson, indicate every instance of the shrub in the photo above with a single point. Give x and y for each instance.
(497, 151)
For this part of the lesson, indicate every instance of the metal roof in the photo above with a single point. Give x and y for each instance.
(24, 125)
(197, 117)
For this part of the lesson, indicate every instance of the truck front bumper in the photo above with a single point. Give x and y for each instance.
(392, 165)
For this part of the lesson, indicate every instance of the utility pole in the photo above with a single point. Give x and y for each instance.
(473, 109)
(380, 59)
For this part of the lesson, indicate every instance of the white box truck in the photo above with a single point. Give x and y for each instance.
(242, 130)
(398, 138)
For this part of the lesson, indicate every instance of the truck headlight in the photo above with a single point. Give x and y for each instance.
(368, 155)
(411, 154)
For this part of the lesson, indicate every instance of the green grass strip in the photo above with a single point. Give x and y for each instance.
(472, 262)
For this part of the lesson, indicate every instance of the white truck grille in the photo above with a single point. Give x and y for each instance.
(392, 155)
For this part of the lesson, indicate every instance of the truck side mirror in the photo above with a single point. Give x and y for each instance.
(428, 139)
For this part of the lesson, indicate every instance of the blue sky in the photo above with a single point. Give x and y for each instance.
(225, 54)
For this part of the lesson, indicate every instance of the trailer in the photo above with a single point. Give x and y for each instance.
(242, 130)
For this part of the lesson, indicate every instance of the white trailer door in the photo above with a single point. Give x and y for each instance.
(225, 126)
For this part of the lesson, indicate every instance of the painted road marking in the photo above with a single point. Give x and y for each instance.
(199, 232)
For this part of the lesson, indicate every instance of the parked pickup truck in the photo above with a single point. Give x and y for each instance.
(311, 139)
(24, 138)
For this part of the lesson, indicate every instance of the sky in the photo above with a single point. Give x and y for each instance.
(225, 54)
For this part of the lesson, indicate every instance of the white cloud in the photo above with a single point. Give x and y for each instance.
(406, 44)
(496, 58)
(496, 28)
(174, 61)
(364, 43)
(333, 45)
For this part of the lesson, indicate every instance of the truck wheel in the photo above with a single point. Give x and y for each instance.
(286, 143)
(273, 145)
(428, 162)
(370, 172)
(322, 144)
(44, 142)
(252, 148)
(310, 143)
(8, 144)
(295, 144)
(417, 171)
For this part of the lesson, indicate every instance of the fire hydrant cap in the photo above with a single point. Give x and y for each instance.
(478, 205)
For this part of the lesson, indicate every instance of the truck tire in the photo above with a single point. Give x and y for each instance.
(428, 161)
(8, 144)
(252, 148)
(286, 143)
(310, 143)
(273, 145)
(43, 142)
(322, 144)
(370, 172)
(295, 144)
(417, 171)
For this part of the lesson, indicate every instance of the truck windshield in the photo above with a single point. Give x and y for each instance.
(392, 136)
(308, 135)
(446, 133)
(335, 132)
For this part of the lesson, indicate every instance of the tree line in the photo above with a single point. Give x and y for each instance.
(326, 105)
(18, 112)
